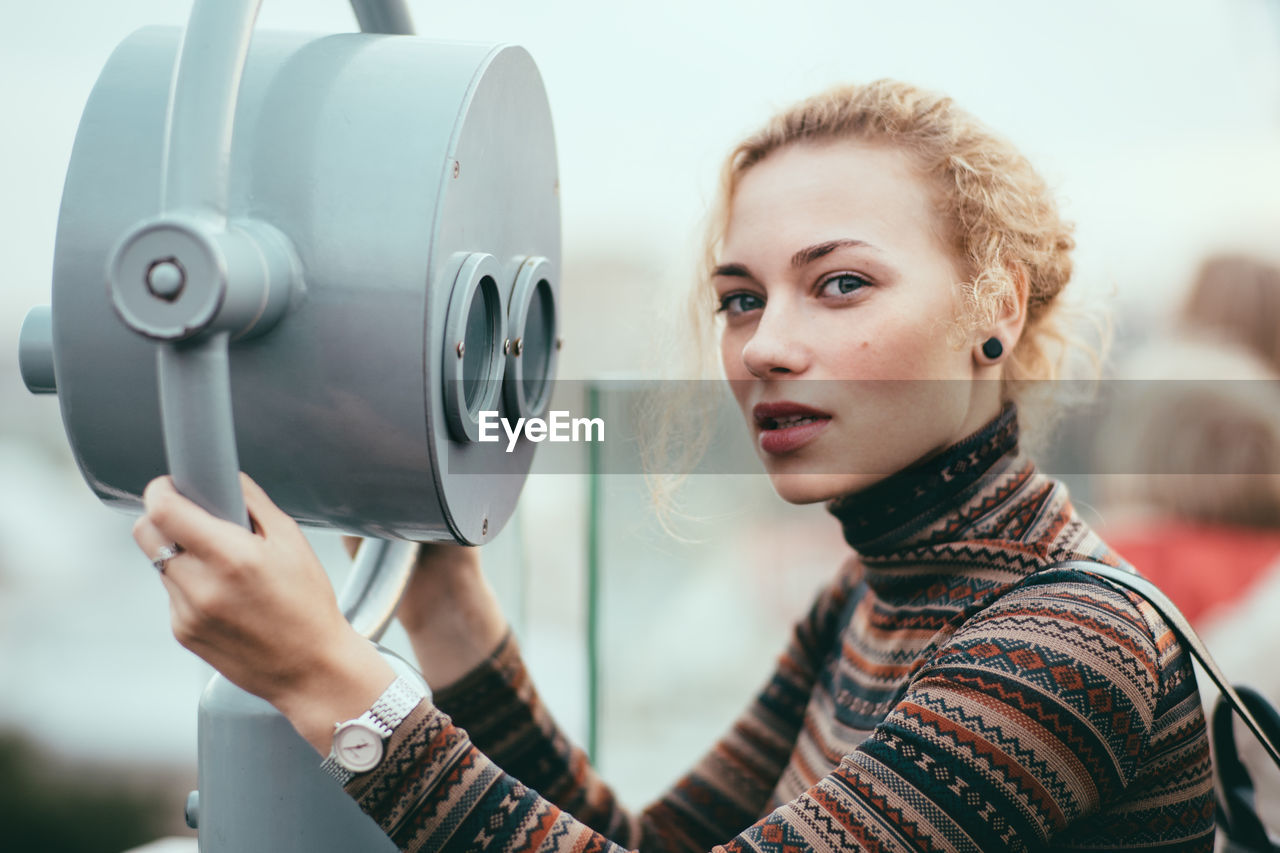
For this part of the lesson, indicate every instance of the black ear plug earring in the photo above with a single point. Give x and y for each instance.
(993, 349)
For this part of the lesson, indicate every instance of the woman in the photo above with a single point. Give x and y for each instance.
(936, 696)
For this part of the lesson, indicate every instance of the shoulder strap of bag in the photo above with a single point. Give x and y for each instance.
(1189, 638)
(1237, 801)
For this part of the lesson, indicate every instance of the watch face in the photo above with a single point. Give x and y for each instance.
(357, 747)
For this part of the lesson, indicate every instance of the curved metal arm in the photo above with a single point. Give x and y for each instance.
(205, 88)
(199, 432)
(192, 361)
(202, 105)
(383, 16)
(194, 379)
(379, 575)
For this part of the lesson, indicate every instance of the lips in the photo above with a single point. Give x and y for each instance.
(785, 426)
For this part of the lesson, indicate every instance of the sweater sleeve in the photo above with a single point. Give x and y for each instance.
(507, 725)
(1034, 724)
(1031, 717)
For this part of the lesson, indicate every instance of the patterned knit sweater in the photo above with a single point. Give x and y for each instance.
(935, 697)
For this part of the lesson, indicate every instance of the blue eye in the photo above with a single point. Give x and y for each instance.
(734, 304)
(844, 282)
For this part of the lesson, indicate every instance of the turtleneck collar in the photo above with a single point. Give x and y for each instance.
(891, 513)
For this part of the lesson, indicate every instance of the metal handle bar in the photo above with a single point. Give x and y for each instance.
(192, 359)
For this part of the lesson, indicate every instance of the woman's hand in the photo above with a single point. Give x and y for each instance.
(257, 606)
(449, 611)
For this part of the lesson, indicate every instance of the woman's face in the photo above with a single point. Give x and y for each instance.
(835, 268)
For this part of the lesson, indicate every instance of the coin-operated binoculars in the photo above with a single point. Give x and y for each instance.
(318, 259)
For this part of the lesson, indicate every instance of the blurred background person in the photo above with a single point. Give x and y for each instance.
(1236, 299)
(1191, 451)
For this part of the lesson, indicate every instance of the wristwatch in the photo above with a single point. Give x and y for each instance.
(358, 744)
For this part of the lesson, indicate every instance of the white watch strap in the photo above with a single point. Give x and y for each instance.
(331, 766)
(387, 713)
(396, 702)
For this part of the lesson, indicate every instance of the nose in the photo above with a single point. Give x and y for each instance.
(776, 347)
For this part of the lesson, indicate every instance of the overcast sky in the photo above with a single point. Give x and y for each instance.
(1158, 121)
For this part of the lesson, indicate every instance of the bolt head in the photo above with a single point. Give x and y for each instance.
(518, 346)
(166, 278)
(484, 527)
(457, 168)
(460, 348)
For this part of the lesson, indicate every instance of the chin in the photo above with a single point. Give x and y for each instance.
(812, 488)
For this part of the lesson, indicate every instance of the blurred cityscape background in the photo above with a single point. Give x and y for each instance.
(1157, 121)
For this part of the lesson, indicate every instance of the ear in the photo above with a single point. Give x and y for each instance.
(1009, 321)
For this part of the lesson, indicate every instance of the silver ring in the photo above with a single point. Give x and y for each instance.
(165, 554)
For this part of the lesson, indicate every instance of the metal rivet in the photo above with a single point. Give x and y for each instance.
(461, 349)
(166, 278)
(519, 346)
(506, 346)
(457, 168)
(484, 527)
(559, 342)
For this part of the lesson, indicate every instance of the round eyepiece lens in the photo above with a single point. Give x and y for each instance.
(478, 343)
(539, 337)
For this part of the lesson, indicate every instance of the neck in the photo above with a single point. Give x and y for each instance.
(891, 511)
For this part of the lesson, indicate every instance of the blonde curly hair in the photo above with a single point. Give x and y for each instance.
(1003, 223)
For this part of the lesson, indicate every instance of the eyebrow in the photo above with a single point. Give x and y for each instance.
(811, 253)
(805, 256)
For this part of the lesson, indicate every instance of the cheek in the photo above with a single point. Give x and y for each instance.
(890, 353)
(906, 347)
(868, 358)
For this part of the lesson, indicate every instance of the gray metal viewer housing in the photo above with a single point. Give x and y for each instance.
(316, 259)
